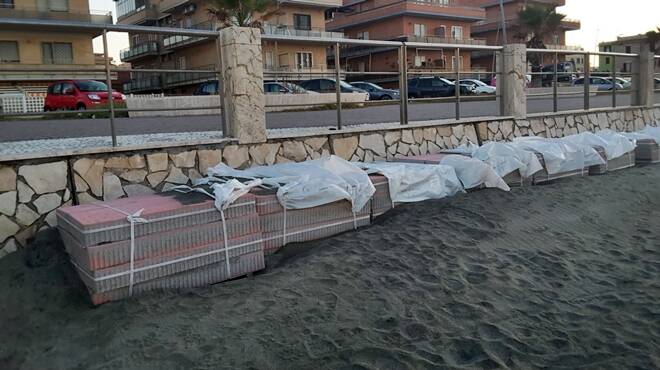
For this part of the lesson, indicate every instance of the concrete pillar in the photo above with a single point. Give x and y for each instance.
(243, 84)
(511, 82)
(642, 79)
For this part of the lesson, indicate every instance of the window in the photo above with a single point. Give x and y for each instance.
(303, 60)
(628, 49)
(180, 63)
(363, 35)
(453, 63)
(419, 30)
(6, 4)
(420, 60)
(268, 60)
(441, 32)
(57, 53)
(56, 89)
(607, 60)
(9, 52)
(457, 32)
(327, 85)
(53, 5)
(302, 22)
(67, 88)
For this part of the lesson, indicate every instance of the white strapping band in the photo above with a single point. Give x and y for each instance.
(133, 218)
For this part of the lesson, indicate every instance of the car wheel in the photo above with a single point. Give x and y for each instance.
(46, 109)
(385, 97)
(81, 107)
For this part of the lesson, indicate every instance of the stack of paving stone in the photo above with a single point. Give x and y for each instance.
(599, 169)
(381, 201)
(280, 227)
(543, 175)
(625, 161)
(647, 151)
(178, 242)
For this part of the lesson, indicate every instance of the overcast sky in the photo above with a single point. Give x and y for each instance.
(602, 20)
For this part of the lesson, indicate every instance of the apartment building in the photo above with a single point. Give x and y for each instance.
(623, 44)
(490, 28)
(437, 21)
(285, 17)
(24, 51)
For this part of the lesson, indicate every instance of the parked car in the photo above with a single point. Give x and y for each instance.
(78, 95)
(327, 85)
(565, 73)
(376, 92)
(434, 87)
(207, 88)
(479, 86)
(656, 83)
(284, 88)
(622, 81)
(603, 84)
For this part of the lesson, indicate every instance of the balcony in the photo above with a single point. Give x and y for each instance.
(320, 3)
(442, 40)
(175, 41)
(168, 6)
(189, 78)
(287, 30)
(140, 12)
(493, 25)
(450, 9)
(139, 51)
(22, 12)
(143, 84)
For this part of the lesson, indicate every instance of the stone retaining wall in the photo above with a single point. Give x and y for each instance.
(30, 191)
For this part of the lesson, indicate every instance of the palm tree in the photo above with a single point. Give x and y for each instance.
(238, 13)
(654, 40)
(536, 22)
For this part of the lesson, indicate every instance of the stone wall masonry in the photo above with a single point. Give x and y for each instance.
(31, 190)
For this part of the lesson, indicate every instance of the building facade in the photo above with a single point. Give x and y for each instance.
(424, 21)
(623, 44)
(285, 17)
(490, 28)
(23, 52)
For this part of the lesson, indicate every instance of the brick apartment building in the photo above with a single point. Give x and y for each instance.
(439, 21)
(286, 17)
(622, 44)
(490, 28)
(26, 48)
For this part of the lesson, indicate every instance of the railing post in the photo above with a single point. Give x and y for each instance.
(643, 86)
(613, 81)
(555, 80)
(337, 84)
(457, 85)
(512, 81)
(243, 87)
(221, 94)
(108, 80)
(587, 81)
(404, 94)
(402, 90)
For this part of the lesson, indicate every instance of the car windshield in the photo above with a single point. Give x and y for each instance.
(445, 81)
(345, 84)
(295, 88)
(91, 86)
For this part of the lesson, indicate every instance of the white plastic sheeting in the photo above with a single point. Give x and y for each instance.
(634, 136)
(559, 156)
(412, 182)
(309, 184)
(617, 145)
(653, 132)
(506, 158)
(474, 173)
(586, 141)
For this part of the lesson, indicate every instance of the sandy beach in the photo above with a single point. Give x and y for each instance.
(560, 276)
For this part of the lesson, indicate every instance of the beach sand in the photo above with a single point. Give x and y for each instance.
(560, 276)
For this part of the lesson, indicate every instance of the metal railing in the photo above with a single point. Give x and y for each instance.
(551, 77)
(288, 30)
(23, 12)
(147, 48)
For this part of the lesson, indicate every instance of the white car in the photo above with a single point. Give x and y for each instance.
(479, 86)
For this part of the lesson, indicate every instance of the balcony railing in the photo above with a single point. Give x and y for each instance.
(180, 40)
(92, 16)
(287, 30)
(149, 48)
(143, 84)
(445, 40)
(186, 78)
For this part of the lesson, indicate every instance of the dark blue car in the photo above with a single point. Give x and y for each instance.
(376, 92)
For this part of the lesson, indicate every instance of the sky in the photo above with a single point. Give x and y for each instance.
(602, 20)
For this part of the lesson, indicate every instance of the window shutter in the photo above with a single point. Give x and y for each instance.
(8, 51)
(58, 5)
(47, 52)
(62, 53)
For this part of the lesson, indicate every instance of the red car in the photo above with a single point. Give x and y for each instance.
(78, 95)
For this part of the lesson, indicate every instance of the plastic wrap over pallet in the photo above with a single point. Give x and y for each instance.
(653, 132)
(411, 182)
(311, 183)
(505, 158)
(558, 157)
(647, 146)
(589, 143)
(617, 145)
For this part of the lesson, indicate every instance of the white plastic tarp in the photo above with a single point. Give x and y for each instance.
(311, 183)
(617, 145)
(414, 182)
(559, 156)
(505, 158)
(653, 132)
(634, 136)
(586, 142)
(474, 173)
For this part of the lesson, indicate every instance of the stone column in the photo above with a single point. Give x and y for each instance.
(642, 79)
(243, 84)
(511, 83)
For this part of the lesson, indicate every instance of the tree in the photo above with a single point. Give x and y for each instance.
(654, 40)
(536, 22)
(240, 13)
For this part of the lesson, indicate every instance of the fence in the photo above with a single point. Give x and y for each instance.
(21, 103)
(434, 86)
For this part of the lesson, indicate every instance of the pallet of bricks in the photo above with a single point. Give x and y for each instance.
(281, 226)
(163, 241)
